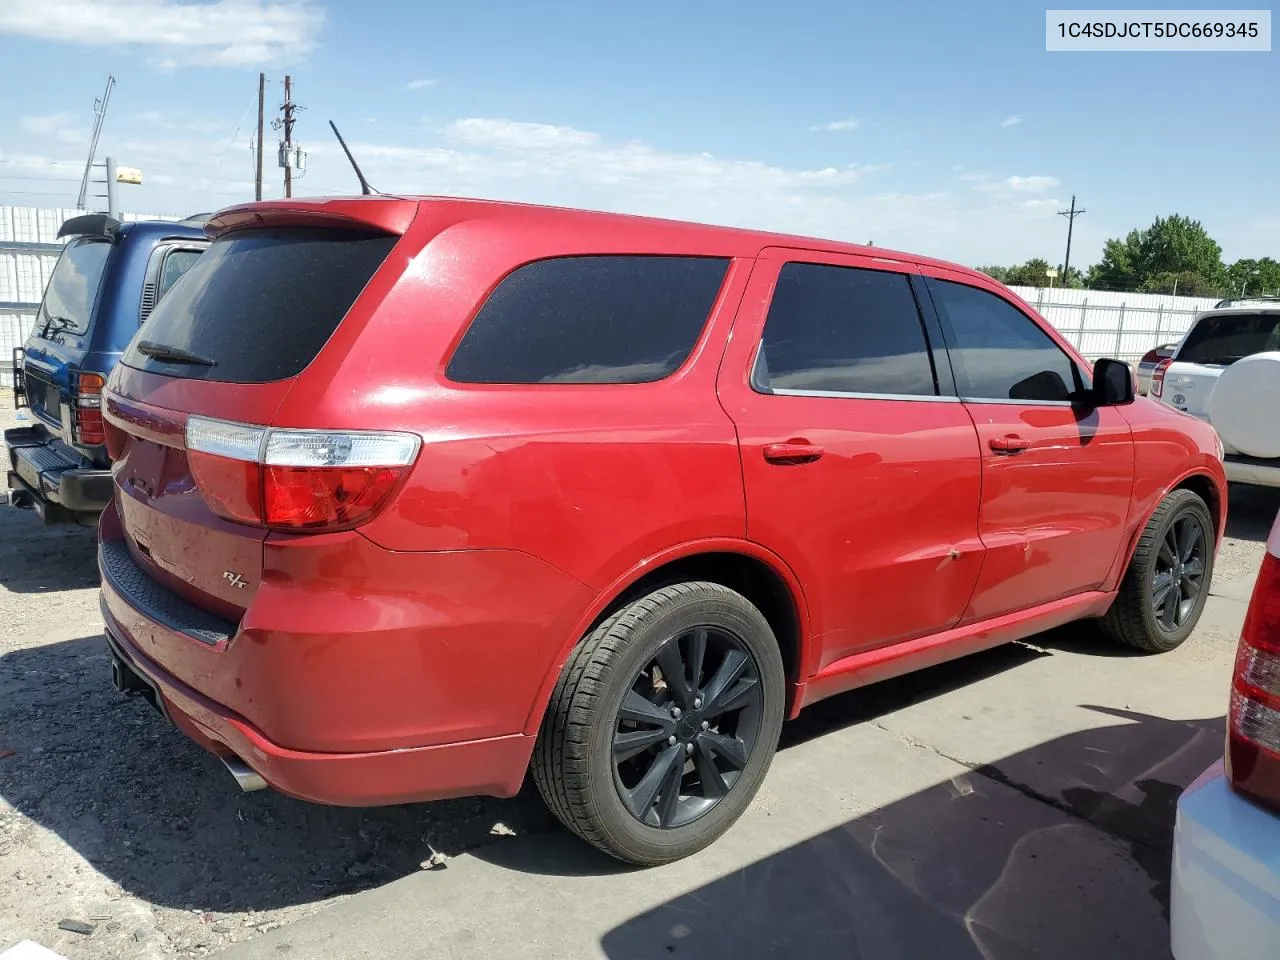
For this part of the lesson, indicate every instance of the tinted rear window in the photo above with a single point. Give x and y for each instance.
(260, 303)
(1226, 339)
(598, 319)
(73, 287)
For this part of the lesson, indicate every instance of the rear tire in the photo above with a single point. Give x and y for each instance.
(1167, 584)
(652, 765)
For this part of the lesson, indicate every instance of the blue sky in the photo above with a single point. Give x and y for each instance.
(942, 128)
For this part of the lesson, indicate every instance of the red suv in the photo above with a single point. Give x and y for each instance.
(415, 495)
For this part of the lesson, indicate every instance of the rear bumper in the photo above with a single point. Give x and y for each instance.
(356, 675)
(493, 766)
(1225, 901)
(52, 478)
(1241, 469)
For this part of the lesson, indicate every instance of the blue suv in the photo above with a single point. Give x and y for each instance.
(108, 278)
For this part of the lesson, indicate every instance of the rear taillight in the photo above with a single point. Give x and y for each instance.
(87, 428)
(296, 479)
(1253, 728)
(1157, 377)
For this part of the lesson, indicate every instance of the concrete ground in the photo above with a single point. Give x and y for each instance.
(1017, 803)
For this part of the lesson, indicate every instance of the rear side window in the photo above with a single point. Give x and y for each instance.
(73, 287)
(259, 304)
(1231, 337)
(997, 351)
(844, 330)
(176, 264)
(597, 319)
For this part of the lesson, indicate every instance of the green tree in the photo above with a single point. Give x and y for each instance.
(1253, 277)
(997, 273)
(1173, 248)
(1185, 283)
(1033, 273)
(1118, 268)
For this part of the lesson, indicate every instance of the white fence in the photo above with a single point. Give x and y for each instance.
(1099, 323)
(1102, 323)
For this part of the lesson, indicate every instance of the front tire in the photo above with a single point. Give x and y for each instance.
(663, 724)
(1167, 584)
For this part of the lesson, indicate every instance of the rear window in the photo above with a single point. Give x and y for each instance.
(73, 288)
(258, 305)
(1224, 339)
(597, 319)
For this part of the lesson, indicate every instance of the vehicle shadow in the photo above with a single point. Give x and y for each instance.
(156, 814)
(1251, 511)
(153, 812)
(972, 867)
(35, 558)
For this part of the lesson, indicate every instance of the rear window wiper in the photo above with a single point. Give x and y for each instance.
(158, 351)
(63, 323)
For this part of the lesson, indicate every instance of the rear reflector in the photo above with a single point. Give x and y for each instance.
(296, 479)
(1253, 754)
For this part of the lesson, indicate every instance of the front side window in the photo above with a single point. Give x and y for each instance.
(593, 319)
(997, 351)
(73, 287)
(836, 329)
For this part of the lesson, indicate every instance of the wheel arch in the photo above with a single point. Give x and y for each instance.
(1200, 482)
(742, 566)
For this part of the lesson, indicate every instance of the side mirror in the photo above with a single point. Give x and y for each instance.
(1112, 383)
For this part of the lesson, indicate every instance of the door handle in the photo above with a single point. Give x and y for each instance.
(793, 451)
(1011, 443)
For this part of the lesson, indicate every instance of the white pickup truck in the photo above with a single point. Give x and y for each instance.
(1226, 370)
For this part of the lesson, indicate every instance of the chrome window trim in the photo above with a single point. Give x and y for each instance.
(844, 395)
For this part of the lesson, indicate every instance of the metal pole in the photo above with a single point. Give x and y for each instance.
(100, 113)
(262, 92)
(113, 209)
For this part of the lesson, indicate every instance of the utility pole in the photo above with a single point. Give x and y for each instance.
(1071, 222)
(262, 92)
(288, 135)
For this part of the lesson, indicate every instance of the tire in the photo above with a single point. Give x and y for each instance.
(584, 728)
(1134, 619)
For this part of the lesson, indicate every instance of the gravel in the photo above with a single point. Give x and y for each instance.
(114, 823)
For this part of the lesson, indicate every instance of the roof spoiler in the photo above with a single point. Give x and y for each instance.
(90, 225)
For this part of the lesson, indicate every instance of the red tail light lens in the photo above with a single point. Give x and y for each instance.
(1253, 731)
(1157, 377)
(87, 428)
(296, 479)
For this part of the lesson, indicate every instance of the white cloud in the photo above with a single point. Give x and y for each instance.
(1018, 185)
(1012, 120)
(836, 126)
(59, 127)
(230, 33)
(507, 159)
(421, 84)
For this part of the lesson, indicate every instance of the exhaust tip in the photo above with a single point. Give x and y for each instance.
(247, 779)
